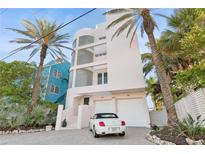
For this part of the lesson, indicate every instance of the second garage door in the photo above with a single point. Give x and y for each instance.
(133, 112)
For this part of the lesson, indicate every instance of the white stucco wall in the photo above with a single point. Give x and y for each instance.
(158, 118)
(124, 61)
(84, 114)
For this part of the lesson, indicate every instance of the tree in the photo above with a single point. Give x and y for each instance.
(52, 44)
(153, 89)
(192, 78)
(16, 79)
(180, 23)
(193, 41)
(130, 19)
(148, 65)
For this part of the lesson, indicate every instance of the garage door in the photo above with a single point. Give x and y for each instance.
(105, 106)
(133, 112)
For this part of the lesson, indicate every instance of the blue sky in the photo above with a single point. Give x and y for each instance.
(11, 18)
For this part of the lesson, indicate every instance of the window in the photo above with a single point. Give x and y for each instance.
(102, 78)
(105, 78)
(100, 54)
(102, 38)
(54, 89)
(99, 78)
(86, 101)
(106, 115)
(57, 74)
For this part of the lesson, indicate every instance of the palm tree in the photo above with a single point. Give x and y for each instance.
(153, 89)
(49, 44)
(148, 65)
(130, 19)
(180, 23)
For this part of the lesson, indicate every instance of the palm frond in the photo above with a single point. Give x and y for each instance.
(133, 35)
(147, 68)
(59, 51)
(162, 15)
(116, 11)
(56, 53)
(61, 46)
(33, 52)
(123, 27)
(142, 30)
(120, 19)
(21, 41)
(23, 48)
(31, 28)
(146, 57)
(52, 55)
(25, 33)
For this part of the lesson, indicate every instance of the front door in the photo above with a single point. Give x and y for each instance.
(86, 101)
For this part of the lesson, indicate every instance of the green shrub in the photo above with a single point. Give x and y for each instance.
(14, 115)
(38, 115)
(190, 127)
(11, 115)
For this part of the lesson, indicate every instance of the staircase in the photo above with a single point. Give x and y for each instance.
(70, 118)
(71, 124)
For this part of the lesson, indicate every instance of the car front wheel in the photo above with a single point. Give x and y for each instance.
(94, 132)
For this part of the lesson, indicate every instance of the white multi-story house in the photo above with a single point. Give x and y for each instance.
(106, 76)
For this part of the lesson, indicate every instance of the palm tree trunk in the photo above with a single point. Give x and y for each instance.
(161, 72)
(164, 81)
(35, 90)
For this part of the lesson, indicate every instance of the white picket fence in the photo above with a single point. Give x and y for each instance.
(193, 104)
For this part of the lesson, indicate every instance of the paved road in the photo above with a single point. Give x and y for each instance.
(76, 137)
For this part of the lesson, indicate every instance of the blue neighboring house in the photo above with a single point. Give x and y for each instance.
(54, 83)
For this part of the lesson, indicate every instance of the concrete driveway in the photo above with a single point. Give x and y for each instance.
(76, 137)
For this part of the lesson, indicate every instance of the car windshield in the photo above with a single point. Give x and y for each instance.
(106, 115)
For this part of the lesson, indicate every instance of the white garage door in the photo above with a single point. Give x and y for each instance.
(132, 111)
(105, 106)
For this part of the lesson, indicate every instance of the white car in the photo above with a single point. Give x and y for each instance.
(106, 123)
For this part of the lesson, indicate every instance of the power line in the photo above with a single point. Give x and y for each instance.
(60, 27)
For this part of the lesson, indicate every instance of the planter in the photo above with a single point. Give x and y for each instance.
(48, 127)
(157, 140)
(22, 131)
(64, 123)
(193, 142)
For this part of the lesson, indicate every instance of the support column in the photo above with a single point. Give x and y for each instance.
(114, 101)
(59, 116)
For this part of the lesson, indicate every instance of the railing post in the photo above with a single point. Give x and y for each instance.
(59, 117)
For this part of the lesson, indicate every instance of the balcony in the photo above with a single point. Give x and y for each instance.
(85, 56)
(86, 39)
(95, 75)
(84, 77)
